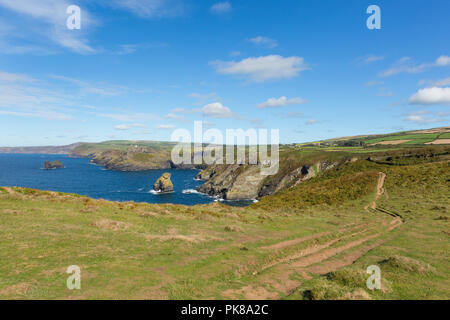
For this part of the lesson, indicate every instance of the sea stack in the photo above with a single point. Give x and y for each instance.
(53, 165)
(163, 184)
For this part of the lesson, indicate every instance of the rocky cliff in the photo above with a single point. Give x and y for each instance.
(231, 182)
(237, 182)
(130, 157)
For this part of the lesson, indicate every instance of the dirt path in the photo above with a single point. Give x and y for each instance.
(380, 186)
(347, 260)
(316, 258)
(310, 250)
(288, 243)
(9, 190)
(380, 191)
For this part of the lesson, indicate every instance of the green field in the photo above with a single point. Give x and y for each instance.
(312, 241)
(419, 137)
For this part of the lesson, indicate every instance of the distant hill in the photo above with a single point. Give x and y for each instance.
(42, 150)
(406, 138)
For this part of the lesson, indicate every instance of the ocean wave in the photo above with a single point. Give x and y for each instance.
(193, 191)
(189, 191)
(158, 192)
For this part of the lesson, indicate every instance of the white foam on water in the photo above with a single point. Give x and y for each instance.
(189, 191)
(158, 192)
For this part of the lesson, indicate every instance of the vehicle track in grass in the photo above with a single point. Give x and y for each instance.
(316, 258)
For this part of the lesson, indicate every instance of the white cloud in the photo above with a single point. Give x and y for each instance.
(257, 122)
(424, 116)
(45, 19)
(72, 43)
(202, 98)
(384, 92)
(44, 114)
(368, 59)
(174, 115)
(404, 65)
(149, 8)
(296, 114)
(38, 21)
(129, 116)
(260, 69)
(125, 49)
(122, 127)
(373, 58)
(443, 61)
(15, 77)
(165, 126)
(91, 88)
(221, 8)
(281, 102)
(178, 110)
(23, 96)
(419, 119)
(13, 49)
(129, 126)
(310, 122)
(373, 83)
(217, 110)
(264, 41)
(437, 83)
(434, 95)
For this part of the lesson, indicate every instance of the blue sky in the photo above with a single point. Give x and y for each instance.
(138, 69)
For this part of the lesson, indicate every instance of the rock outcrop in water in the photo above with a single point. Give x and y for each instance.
(53, 165)
(163, 184)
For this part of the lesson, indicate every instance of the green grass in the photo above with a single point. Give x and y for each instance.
(149, 251)
(143, 157)
(419, 137)
(414, 262)
(445, 135)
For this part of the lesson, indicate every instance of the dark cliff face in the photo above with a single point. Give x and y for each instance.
(53, 165)
(239, 182)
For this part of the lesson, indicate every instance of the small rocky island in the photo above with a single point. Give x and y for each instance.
(163, 184)
(53, 165)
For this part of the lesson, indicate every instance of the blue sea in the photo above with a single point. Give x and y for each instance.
(81, 177)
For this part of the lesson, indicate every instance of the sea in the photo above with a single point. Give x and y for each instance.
(82, 177)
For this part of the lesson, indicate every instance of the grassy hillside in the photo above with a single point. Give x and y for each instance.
(121, 145)
(143, 155)
(127, 155)
(312, 241)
